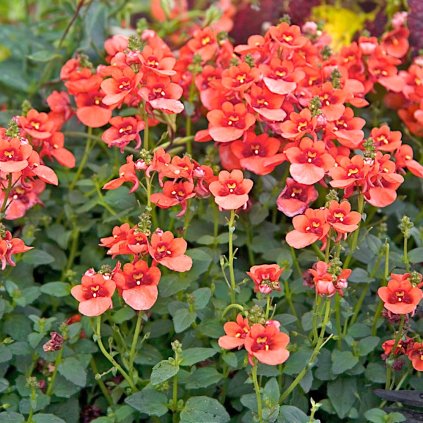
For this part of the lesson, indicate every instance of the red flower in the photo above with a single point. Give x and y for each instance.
(308, 228)
(400, 349)
(341, 218)
(258, 153)
(235, 333)
(395, 42)
(288, 36)
(94, 294)
(415, 354)
(169, 251)
(14, 155)
(157, 62)
(229, 123)
(174, 193)
(267, 344)
(91, 110)
(404, 159)
(298, 125)
(309, 161)
(332, 101)
(127, 173)
(239, 78)
(37, 125)
(400, 296)
(10, 246)
(295, 198)
(267, 104)
(231, 190)
(123, 131)
(327, 284)
(204, 43)
(137, 284)
(266, 277)
(385, 139)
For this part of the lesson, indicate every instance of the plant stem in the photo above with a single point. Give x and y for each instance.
(135, 341)
(356, 233)
(258, 395)
(6, 195)
(175, 399)
(405, 256)
(317, 348)
(231, 226)
(398, 337)
(146, 132)
(288, 296)
(101, 384)
(87, 151)
(53, 376)
(338, 319)
(110, 358)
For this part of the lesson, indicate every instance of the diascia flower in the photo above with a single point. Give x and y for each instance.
(400, 296)
(341, 218)
(231, 190)
(10, 246)
(94, 294)
(326, 283)
(267, 344)
(295, 198)
(235, 333)
(123, 131)
(174, 193)
(127, 173)
(266, 277)
(308, 228)
(415, 354)
(137, 284)
(169, 251)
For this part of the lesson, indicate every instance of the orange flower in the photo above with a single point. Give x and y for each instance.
(288, 36)
(267, 104)
(266, 277)
(127, 173)
(137, 284)
(308, 228)
(230, 122)
(236, 333)
(385, 139)
(94, 294)
(14, 155)
(239, 78)
(298, 125)
(174, 193)
(309, 161)
(415, 354)
(10, 246)
(37, 125)
(341, 218)
(169, 251)
(267, 344)
(231, 190)
(123, 131)
(326, 283)
(400, 296)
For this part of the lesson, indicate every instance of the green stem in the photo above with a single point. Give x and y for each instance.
(295, 262)
(231, 226)
(338, 320)
(6, 195)
(258, 394)
(398, 337)
(135, 341)
(175, 399)
(320, 255)
(405, 257)
(88, 147)
(356, 233)
(146, 132)
(231, 306)
(268, 306)
(53, 376)
(101, 384)
(320, 343)
(110, 358)
(288, 296)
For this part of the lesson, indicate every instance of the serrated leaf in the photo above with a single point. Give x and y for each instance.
(148, 401)
(204, 409)
(163, 371)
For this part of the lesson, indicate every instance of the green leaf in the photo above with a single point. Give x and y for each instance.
(5, 353)
(291, 414)
(359, 330)
(359, 275)
(203, 377)
(375, 415)
(342, 394)
(4, 384)
(43, 56)
(56, 289)
(201, 297)
(375, 373)
(397, 417)
(183, 319)
(271, 391)
(416, 255)
(72, 370)
(297, 361)
(122, 315)
(37, 257)
(191, 356)
(342, 361)
(11, 417)
(148, 401)
(204, 409)
(367, 345)
(162, 371)
(46, 418)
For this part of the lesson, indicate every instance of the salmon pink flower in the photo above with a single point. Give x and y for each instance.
(295, 198)
(236, 333)
(59, 103)
(91, 110)
(309, 161)
(415, 354)
(94, 294)
(332, 101)
(239, 78)
(54, 147)
(266, 277)
(400, 296)
(258, 153)
(174, 193)
(395, 42)
(267, 104)
(341, 218)
(404, 159)
(127, 173)
(386, 140)
(123, 131)
(157, 61)
(204, 43)
(230, 122)
(288, 36)
(326, 283)
(137, 284)
(14, 155)
(10, 246)
(231, 190)
(37, 125)
(308, 228)
(298, 125)
(267, 344)
(169, 251)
